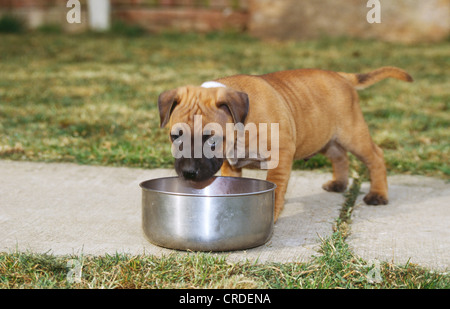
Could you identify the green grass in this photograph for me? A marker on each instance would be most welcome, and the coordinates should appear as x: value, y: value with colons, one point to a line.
x: 335, y: 267
x: 91, y: 99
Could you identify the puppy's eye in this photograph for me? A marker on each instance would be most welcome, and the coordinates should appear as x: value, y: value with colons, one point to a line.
x: 174, y: 137
x: 213, y: 141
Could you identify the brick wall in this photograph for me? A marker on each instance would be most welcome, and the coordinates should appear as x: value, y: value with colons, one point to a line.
x: 152, y: 15
x: 238, y: 5
x: 401, y: 20
x: 36, y: 13
x: 183, y: 15
x: 11, y: 4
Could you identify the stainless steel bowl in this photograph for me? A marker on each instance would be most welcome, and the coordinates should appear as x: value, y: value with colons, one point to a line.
x: 226, y: 214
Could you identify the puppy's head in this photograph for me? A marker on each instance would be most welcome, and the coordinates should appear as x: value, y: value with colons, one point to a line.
x: 199, y: 145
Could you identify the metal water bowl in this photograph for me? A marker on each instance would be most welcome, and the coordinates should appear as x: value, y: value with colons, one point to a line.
x: 224, y: 214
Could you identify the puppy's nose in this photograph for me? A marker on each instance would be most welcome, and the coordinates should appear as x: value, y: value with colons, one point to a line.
x: 191, y: 175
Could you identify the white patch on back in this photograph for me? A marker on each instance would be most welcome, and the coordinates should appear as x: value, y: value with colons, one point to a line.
x: 212, y: 84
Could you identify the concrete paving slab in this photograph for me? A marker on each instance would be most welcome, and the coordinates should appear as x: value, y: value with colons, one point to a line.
x: 414, y: 227
x: 73, y: 209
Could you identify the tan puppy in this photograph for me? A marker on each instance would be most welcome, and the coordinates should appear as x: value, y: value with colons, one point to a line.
x: 317, y: 112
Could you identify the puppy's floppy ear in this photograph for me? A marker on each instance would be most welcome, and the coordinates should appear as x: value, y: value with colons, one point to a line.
x: 166, y: 103
x: 236, y: 102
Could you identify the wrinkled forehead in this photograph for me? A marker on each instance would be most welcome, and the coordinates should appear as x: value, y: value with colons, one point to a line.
x: 196, y: 104
x: 195, y: 100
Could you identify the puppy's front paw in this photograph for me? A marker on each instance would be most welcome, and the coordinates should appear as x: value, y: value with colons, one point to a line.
x: 334, y: 186
x: 374, y: 198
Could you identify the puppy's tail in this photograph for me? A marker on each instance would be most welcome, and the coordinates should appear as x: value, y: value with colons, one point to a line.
x: 361, y: 81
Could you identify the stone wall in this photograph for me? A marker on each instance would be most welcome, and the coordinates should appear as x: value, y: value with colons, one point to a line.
x: 401, y: 20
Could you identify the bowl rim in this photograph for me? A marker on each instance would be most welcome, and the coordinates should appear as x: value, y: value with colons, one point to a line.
x: 274, y: 186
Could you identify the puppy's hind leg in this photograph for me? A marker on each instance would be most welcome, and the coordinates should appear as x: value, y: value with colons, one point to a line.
x: 339, y: 161
x: 361, y: 145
